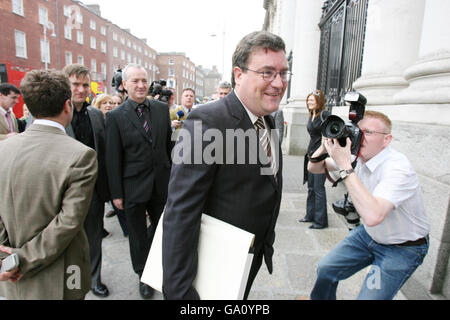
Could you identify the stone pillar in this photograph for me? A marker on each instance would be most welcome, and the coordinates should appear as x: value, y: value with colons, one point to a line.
x: 305, y: 53
x: 391, y: 45
x: 429, y: 76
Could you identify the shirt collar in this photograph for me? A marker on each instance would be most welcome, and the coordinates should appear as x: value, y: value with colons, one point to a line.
x: 135, y: 104
x: 50, y: 123
x: 373, y: 163
x: 4, y: 111
x: 253, y: 118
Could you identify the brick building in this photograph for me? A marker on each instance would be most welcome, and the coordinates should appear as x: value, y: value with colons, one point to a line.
x: 178, y: 70
x: 55, y: 33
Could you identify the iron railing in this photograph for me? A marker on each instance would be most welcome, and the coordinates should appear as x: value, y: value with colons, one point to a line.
x: 342, y: 26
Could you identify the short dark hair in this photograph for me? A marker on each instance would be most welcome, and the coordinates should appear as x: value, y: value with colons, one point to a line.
x: 77, y: 70
x: 6, y: 88
x: 252, y: 41
x: 188, y: 89
x: 45, y: 92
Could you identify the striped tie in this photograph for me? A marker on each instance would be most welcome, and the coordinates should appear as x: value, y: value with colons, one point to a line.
x: 264, y: 139
x: 9, y: 120
x: 145, y: 124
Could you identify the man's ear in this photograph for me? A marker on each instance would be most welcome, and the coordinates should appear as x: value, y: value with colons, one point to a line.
x: 237, y: 75
x: 68, y: 107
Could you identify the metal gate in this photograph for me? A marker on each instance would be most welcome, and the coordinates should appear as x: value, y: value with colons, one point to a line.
x: 342, y: 26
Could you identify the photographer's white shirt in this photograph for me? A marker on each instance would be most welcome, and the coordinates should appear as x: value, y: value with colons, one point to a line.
x: 390, y: 175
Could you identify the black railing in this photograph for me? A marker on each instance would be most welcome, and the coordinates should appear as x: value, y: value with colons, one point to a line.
x: 342, y: 28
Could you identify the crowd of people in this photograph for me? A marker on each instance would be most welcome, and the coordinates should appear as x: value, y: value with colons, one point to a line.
x: 72, y: 157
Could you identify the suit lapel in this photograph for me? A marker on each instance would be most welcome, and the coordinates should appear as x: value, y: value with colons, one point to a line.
x: 92, y: 118
x: 3, y: 124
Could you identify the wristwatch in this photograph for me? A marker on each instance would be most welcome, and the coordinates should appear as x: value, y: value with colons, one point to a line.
x: 344, y: 173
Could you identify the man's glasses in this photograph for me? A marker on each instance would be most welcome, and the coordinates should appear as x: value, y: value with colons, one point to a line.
x: 270, y: 75
x: 371, y: 132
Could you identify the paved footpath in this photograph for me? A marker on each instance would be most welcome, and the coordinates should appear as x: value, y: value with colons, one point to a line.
x: 298, y: 249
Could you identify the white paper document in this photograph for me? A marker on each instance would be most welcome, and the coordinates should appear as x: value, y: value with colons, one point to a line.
x: 223, y: 260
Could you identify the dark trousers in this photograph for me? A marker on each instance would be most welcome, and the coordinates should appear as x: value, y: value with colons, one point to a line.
x: 122, y: 219
x: 93, y: 225
x: 316, y: 203
x: 141, y: 237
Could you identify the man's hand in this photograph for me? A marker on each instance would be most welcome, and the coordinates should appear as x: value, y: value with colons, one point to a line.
x: 341, y: 155
x: 12, y: 276
x: 118, y: 203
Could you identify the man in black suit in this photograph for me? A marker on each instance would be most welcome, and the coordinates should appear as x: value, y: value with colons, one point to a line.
x: 138, y: 148
x: 88, y: 127
x: 237, y: 190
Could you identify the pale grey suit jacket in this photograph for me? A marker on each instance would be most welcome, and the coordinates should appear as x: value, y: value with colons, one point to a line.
x: 4, y: 127
x: 47, y: 179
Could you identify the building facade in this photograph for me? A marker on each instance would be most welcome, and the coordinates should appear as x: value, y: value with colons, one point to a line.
x: 397, y: 54
x: 54, y: 33
x: 178, y: 70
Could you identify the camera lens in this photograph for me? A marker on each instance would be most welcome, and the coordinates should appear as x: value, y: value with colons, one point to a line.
x: 334, y: 128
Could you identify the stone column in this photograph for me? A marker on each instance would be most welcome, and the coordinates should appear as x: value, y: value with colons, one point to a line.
x: 429, y: 76
x: 391, y: 45
x: 305, y: 53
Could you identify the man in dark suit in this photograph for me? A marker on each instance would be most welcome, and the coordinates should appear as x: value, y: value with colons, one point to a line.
x: 88, y: 127
x: 239, y: 191
x: 138, y: 148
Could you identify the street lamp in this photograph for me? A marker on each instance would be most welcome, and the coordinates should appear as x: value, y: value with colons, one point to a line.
x: 50, y: 26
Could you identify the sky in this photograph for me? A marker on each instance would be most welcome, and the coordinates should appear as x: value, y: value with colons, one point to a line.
x: 188, y: 26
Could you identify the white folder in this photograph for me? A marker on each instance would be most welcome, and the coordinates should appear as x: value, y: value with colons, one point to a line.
x: 223, y: 260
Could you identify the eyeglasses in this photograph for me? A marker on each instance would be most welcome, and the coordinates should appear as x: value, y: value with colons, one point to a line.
x: 371, y: 132
x: 270, y: 75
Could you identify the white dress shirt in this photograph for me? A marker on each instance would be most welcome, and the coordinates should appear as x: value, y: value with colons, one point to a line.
x: 50, y: 123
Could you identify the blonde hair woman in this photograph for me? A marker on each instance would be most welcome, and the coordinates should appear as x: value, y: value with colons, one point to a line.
x: 104, y: 102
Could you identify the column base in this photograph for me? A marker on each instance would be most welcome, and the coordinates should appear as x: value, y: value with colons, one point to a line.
x: 296, y: 117
x: 379, y: 89
x: 429, y: 80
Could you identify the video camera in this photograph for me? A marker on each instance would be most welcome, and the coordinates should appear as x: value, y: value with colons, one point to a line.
x: 334, y: 127
x: 157, y: 88
x: 117, y: 81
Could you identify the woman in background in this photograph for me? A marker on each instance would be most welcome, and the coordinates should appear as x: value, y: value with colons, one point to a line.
x: 316, y: 203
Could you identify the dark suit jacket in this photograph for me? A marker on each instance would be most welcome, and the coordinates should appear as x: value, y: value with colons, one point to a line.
x: 138, y: 167
x: 235, y: 193
x: 98, y: 128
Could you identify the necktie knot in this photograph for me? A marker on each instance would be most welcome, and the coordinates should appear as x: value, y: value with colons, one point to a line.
x: 9, y: 120
x: 260, y: 123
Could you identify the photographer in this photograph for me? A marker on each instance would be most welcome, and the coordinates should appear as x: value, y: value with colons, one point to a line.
x: 386, y: 193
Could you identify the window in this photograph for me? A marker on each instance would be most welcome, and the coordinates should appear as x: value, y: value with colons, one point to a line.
x: 93, y: 43
x: 103, y: 66
x: 43, y: 15
x: 122, y: 54
x: 93, y: 25
x: 103, y: 30
x: 129, y: 43
x: 68, y: 32
x: 80, y: 37
x: 122, y: 40
x: 68, y: 58
x: 79, y: 17
x: 21, y: 44
x: 67, y: 11
x: 129, y: 58
x: 80, y: 60
x: 114, y: 36
x: 171, y: 62
x: 103, y: 46
x: 45, y: 51
x: 115, y: 52
x: 17, y: 7
x: 93, y: 65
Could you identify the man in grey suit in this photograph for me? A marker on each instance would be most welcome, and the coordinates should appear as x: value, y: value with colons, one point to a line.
x: 47, y: 183
x: 9, y: 96
x: 138, y: 148
x: 237, y: 190
x: 88, y: 127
